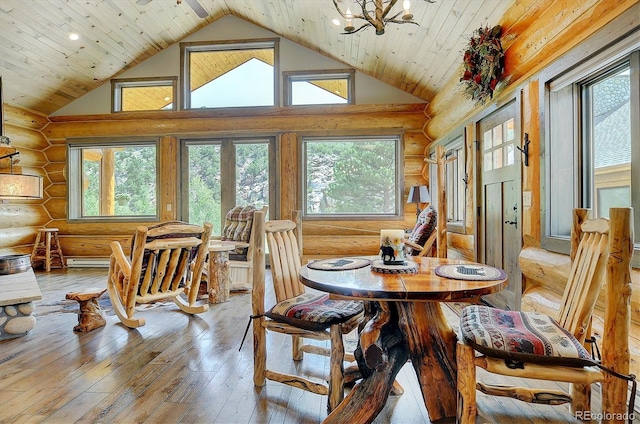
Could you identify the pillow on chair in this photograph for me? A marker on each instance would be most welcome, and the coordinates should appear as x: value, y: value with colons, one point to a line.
x: 425, y: 225
x: 521, y: 337
x: 237, y: 227
x: 314, y: 312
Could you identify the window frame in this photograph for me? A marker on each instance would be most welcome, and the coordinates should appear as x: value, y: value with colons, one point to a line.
x: 226, y: 45
x: 399, y: 177
x: 228, y: 170
x: 289, y: 77
x: 571, y: 75
x: 74, y: 167
x: 118, y: 84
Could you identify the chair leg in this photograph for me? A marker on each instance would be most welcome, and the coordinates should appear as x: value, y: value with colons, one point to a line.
x: 467, y: 408
x: 296, y: 348
x: 259, y: 352
x: 336, y: 369
x: 580, y: 398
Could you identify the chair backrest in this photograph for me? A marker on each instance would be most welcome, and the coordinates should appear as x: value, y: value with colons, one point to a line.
x: 284, y: 238
x: 238, y: 225
x: 590, y: 247
x: 168, y: 255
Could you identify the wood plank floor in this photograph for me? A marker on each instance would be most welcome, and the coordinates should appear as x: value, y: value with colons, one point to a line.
x: 180, y: 369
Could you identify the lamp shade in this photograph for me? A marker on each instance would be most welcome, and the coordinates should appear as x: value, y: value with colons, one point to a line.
x: 419, y: 194
x: 18, y: 186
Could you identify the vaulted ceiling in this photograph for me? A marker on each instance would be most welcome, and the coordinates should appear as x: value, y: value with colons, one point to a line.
x: 42, y: 70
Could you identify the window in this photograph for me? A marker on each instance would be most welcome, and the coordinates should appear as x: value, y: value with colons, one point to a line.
x: 593, y: 131
x: 229, y: 74
x: 133, y: 94
x: 319, y: 87
x: 455, y: 186
x: 223, y: 173
x: 113, y: 179
x: 352, y: 176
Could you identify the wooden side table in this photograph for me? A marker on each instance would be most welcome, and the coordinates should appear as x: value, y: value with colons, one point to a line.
x: 218, y: 284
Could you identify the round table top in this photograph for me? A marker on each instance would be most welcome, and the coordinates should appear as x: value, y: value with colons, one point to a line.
x: 424, y: 285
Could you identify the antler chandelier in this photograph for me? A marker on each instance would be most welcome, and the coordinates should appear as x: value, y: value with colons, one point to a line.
x: 374, y: 13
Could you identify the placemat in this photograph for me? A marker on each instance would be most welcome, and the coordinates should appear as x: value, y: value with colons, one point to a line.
x: 409, y: 267
x: 470, y: 272
x: 340, y: 264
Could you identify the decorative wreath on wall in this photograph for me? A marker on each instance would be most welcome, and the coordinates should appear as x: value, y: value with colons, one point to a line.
x: 483, y: 64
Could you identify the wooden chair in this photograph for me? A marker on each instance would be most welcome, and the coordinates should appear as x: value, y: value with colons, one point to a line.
x: 166, y: 262
x: 293, y: 314
x: 237, y: 230
x: 421, y: 241
x: 554, y: 350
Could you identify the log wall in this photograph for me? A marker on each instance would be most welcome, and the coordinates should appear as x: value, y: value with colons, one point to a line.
x: 19, y: 219
x: 541, y: 32
x: 42, y: 144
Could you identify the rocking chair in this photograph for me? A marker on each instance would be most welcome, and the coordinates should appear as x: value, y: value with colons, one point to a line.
x: 166, y: 262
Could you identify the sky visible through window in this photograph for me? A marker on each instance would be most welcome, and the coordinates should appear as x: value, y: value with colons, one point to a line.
x: 251, y: 84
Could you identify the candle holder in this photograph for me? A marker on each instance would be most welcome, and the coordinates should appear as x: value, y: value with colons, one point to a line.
x: 392, y: 247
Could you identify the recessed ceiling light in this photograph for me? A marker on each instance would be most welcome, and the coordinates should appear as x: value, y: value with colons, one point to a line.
x: 74, y: 36
x: 166, y: 99
x: 336, y: 22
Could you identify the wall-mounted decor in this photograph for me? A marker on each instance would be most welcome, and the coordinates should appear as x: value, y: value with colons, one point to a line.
x: 483, y: 64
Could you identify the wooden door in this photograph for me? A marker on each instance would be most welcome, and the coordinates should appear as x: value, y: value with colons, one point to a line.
x: 500, y: 229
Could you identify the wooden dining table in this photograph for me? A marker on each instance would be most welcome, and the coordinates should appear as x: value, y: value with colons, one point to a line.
x: 403, y: 321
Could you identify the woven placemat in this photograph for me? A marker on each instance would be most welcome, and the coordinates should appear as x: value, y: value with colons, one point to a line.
x: 470, y: 272
x: 340, y: 264
x: 409, y: 267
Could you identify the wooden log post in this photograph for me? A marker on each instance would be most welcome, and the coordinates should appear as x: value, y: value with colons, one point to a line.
x: 90, y: 315
x: 615, y: 346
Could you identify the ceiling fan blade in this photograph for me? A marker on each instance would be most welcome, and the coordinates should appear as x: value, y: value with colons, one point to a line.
x: 200, y: 11
x: 143, y: 2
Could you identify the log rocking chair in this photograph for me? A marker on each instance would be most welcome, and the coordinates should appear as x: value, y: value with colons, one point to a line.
x: 166, y: 262
x: 533, y: 345
x: 298, y: 314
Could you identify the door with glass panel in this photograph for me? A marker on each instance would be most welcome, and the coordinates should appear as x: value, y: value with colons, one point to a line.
x: 500, y: 228
x: 219, y: 174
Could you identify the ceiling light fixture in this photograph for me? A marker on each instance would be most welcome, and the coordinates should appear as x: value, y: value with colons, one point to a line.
x: 375, y: 13
x: 73, y: 36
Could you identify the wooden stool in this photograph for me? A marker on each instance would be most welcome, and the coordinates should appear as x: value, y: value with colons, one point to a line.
x: 47, y: 249
x: 90, y: 315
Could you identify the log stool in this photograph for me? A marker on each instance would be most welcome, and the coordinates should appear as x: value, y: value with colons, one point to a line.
x: 90, y: 315
x: 47, y: 249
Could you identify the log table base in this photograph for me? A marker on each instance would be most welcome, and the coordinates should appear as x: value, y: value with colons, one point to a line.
x: 394, y: 333
x: 219, y: 283
x: 90, y: 315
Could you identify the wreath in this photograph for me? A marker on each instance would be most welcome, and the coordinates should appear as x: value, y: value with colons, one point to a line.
x: 483, y: 64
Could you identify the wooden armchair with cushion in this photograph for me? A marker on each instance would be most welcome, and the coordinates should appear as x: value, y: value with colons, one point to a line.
x: 237, y: 229
x: 296, y: 313
x: 533, y: 345
x: 421, y: 241
x: 166, y: 262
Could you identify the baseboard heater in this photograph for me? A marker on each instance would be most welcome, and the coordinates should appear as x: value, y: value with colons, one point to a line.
x: 88, y: 262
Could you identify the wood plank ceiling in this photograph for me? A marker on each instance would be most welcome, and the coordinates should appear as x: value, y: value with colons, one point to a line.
x: 42, y: 70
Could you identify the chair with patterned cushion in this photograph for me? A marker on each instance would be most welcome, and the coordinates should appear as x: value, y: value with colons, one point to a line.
x: 237, y: 229
x: 533, y: 345
x: 166, y: 262
x: 421, y: 241
x: 296, y: 313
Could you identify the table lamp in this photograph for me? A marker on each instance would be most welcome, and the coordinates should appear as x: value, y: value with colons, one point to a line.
x: 418, y: 195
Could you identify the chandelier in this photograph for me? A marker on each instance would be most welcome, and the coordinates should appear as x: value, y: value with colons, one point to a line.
x: 375, y: 13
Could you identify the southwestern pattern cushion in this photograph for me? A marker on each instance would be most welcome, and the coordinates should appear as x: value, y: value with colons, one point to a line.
x: 237, y: 227
x: 425, y: 225
x: 313, y: 311
x: 521, y: 336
